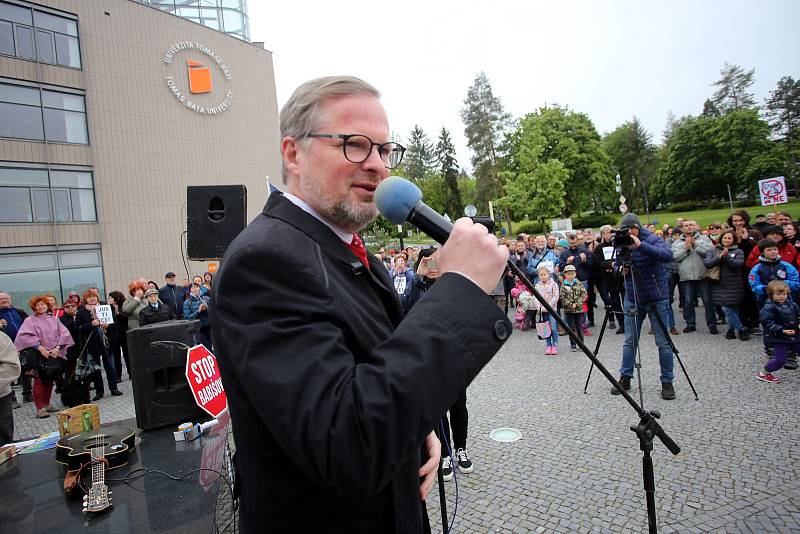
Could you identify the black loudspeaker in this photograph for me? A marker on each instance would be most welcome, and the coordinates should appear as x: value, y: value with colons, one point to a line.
x: 216, y: 214
x: 161, y: 393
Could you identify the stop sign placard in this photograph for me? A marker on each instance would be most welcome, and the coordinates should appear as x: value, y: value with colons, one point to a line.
x: 202, y: 372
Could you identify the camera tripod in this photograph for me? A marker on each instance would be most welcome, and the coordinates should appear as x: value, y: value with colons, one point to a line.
x: 652, y: 312
x: 647, y: 428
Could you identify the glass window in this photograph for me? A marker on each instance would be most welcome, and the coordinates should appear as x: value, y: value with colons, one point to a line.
x: 54, y: 99
x: 61, y: 207
x: 236, y: 4
x: 6, y: 38
x: 55, y: 23
x: 69, y: 179
x: 22, y: 122
x: 15, y: 13
x: 83, y: 209
x: 41, y: 205
x: 17, y: 94
x: 27, y: 262
x: 233, y: 21
x: 82, y: 258
x: 24, y: 285
x: 191, y: 13
x: 65, y: 126
x: 67, y: 51
x: 210, y: 18
x: 15, y: 205
x: 82, y: 279
x: 25, y: 42
x: 24, y: 177
x: 45, y: 46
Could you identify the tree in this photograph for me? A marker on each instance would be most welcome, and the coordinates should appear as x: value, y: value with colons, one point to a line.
x: 572, y: 139
x: 535, y: 188
x: 710, y: 109
x: 732, y: 89
x: 484, y: 123
x: 448, y: 169
x: 633, y: 155
x: 782, y: 110
x: 419, y: 157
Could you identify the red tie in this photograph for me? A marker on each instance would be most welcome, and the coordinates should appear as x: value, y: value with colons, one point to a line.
x: 358, y: 248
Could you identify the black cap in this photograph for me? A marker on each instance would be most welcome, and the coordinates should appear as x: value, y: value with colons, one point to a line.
x: 169, y: 275
x: 771, y: 229
x: 629, y: 220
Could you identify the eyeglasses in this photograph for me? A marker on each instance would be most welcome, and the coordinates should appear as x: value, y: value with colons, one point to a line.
x: 357, y: 148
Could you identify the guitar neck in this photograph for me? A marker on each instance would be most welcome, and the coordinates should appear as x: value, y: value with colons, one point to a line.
x: 98, y: 473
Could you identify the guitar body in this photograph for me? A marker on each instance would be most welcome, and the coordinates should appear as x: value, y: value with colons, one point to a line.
x: 116, y: 442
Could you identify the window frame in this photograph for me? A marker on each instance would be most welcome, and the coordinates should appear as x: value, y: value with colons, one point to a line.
x: 33, y: 8
x: 50, y: 188
x: 41, y: 88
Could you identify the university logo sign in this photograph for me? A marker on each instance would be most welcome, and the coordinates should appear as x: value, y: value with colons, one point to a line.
x: 198, y: 78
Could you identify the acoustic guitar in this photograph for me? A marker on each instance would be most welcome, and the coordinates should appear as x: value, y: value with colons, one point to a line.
x: 102, y: 448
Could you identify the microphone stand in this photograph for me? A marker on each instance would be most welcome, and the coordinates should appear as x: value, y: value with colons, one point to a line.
x: 647, y: 428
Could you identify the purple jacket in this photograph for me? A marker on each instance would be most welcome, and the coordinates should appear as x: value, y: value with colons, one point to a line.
x: 46, y: 331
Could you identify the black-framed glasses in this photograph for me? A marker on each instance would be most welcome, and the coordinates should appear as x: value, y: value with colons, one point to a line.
x: 357, y: 148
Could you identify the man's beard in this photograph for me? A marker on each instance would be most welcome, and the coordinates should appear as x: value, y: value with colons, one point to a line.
x: 346, y: 214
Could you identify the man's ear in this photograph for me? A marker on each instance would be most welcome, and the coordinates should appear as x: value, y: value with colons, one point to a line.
x: 290, y: 152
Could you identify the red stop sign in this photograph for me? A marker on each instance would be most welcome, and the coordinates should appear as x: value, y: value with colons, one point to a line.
x: 202, y: 372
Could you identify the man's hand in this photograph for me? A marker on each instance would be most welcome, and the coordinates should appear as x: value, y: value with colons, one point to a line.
x: 636, y: 242
x: 3, y: 323
x: 689, y: 242
x: 583, y: 257
x: 428, y: 471
x: 742, y: 232
x: 473, y: 252
x: 789, y: 332
x: 569, y: 260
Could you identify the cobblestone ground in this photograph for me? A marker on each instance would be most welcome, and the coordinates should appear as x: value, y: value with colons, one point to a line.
x: 578, y: 466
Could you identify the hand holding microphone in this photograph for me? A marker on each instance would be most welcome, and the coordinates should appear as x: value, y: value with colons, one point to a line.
x: 468, y: 248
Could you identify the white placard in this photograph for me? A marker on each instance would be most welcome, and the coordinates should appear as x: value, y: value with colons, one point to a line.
x: 104, y: 313
x: 608, y: 253
x: 563, y: 225
x: 773, y: 191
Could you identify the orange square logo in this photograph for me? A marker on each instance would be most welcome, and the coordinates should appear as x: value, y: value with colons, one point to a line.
x: 199, y: 77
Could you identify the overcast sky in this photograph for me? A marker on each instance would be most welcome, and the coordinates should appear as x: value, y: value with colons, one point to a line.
x: 609, y: 59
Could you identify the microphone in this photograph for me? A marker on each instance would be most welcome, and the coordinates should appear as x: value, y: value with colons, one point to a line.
x: 401, y: 201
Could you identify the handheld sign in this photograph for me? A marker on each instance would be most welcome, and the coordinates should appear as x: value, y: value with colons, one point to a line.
x: 773, y: 191
x: 104, y: 313
x: 205, y: 381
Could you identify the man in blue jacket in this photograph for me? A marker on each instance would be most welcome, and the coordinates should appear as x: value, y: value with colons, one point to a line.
x: 646, y: 294
x: 172, y: 295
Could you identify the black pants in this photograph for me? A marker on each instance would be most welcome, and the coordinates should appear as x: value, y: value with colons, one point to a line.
x: 111, y: 374
x: 6, y: 419
x: 459, y: 419
x: 27, y: 386
x: 592, y: 300
x: 119, y: 350
x: 574, y: 323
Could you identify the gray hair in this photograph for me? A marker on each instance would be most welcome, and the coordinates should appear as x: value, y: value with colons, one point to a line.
x: 302, y: 111
x: 606, y: 228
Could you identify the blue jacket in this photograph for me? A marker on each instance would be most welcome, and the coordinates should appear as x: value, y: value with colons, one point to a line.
x: 584, y: 268
x: 14, y: 318
x: 766, y: 271
x: 650, y: 261
x: 775, y: 318
x: 191, y: 309
x: 536, y: 257
x: 173, y: 296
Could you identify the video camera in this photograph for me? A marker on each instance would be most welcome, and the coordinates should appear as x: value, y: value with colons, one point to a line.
x: 622, y: 238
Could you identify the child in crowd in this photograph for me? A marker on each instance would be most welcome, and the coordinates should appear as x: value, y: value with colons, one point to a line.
x: 573, y: 295
x: 779, y: 317
x: 525, y: 312
x: 770, y: 267
x: 547, y: 287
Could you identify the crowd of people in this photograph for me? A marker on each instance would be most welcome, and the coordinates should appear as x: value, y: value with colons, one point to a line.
x: 65, y: 346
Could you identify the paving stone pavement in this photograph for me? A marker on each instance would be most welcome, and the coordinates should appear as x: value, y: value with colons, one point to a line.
x: 578, y: 466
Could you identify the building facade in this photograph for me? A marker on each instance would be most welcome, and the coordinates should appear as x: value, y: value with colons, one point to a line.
x: 108, y: 111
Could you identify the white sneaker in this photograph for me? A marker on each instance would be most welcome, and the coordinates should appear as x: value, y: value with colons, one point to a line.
x: 447, y: 468
x: 464, y: 463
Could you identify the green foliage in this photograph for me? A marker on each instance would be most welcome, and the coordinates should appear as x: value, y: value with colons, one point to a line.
x: 634, y: 156
x: 484, y: 123
x: 531, y: 227
x: 420, y: 158
x: 570, y: 138
x: 732, y: 92
x: 594, y: 220
x: 448, y: 170
x: 466, y: 189
x: 687, y: 205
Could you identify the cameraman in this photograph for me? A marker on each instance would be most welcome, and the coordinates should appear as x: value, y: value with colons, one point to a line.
x: 642, y: 256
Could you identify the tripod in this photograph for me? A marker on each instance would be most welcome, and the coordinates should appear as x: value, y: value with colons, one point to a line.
x: 647, y: 428
x: 627, y: 264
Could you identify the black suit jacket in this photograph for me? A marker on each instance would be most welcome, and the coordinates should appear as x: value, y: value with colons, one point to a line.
x: 331, y: 391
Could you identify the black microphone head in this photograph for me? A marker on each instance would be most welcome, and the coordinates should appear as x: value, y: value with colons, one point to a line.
x: 395, y: 197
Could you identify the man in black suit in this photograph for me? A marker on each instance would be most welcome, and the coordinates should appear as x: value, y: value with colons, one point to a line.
x: 332, y: 392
